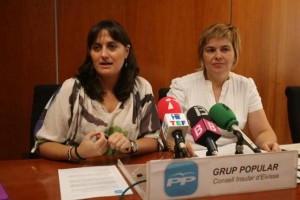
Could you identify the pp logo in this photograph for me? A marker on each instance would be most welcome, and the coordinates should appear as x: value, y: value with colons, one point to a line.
x: 181, y: 179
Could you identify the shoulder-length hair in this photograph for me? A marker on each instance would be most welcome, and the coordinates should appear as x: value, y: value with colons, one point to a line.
x: 87, y: 74
x: 220, y: 31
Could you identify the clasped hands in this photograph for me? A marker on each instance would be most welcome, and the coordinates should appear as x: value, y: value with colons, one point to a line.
x: 95, y: 144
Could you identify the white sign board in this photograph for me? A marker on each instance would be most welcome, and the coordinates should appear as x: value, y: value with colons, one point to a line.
x: 220, y: 175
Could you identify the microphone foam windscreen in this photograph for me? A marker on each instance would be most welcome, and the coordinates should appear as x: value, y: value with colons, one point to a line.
x: 167, y: 105
x: 223, y: 116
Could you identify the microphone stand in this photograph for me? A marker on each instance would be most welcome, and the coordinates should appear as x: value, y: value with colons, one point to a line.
x: 239, y: 147
x: 179, y: 153
x: 212, y: 149
x: 247, y: 141
x: 179, y: 147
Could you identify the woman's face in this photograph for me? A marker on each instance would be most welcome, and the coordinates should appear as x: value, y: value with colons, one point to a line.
x: 108, y: 55
x: 218, y: 56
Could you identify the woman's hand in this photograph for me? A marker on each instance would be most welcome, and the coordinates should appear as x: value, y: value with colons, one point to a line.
x: 190, y: 149
x: 269, y: 146
x: 93, y: 144
x: 119, y: 142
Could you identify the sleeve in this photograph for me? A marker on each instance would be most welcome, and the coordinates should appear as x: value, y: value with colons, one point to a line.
x: 177, y: 91
x: 55, y: 125
x: 150, y: 123
x: 255, y: 102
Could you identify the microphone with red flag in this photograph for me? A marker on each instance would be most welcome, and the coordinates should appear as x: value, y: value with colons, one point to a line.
x: 174, y: 124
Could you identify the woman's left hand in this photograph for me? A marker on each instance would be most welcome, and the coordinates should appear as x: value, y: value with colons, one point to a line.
x: 190, y: 149
x: 119, y: 142
x: 269, y: 146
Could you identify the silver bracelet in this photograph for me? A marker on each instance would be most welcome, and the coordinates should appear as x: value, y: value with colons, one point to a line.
x: 70, y: 158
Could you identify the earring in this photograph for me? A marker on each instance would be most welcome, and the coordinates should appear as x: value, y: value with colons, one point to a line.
x: 125, y: 64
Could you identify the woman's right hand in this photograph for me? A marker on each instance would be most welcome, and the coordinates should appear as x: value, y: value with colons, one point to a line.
x: 89, y: 147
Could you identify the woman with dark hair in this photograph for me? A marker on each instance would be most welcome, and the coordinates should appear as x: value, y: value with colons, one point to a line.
x: 106, y: 109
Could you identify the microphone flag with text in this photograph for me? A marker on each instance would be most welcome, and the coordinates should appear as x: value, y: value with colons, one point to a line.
x: 174, y: 124
x: 224, y: 117
x: 204, y: 131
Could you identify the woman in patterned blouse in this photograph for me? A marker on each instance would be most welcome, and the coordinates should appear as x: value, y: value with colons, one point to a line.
x: 106, y: 109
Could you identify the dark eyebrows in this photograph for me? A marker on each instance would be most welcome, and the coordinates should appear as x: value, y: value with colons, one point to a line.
x: 209, y: 47
x: 226, y: 46
x: 213, y: 47
x: 112, y: 42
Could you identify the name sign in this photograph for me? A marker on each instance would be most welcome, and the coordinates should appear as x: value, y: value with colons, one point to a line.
x: 220, y: 175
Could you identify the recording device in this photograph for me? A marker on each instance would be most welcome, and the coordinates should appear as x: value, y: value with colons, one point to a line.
x: 174, y: 124
x: 224, y: 117
x: 204, y: 131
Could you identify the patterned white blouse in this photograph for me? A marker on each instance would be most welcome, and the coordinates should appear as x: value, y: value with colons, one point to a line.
x: 70, y: 114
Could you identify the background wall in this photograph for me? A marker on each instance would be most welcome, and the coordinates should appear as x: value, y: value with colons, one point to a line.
x: 44, y: 41
x: 270, y: 37
x: 27, y: 57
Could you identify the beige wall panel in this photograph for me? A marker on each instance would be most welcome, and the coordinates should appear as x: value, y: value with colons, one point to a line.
x: 270, y: 36
x: 164, y: 33
x: 27, y: 56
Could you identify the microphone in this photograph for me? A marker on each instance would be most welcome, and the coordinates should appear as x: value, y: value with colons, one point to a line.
x: 224, y: 117
x: 203, y: 130
x: 174, y: 124
x: 167, y: 105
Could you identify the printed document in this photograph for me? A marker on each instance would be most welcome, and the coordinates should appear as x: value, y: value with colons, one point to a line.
x: 89, y: 182
x: 290, y: 147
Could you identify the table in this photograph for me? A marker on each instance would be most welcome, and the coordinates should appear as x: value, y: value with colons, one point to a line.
x: 38, y: 178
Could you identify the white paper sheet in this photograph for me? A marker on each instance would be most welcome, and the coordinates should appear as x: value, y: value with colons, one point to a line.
x: 88, y: 182
x: 289, y: 147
